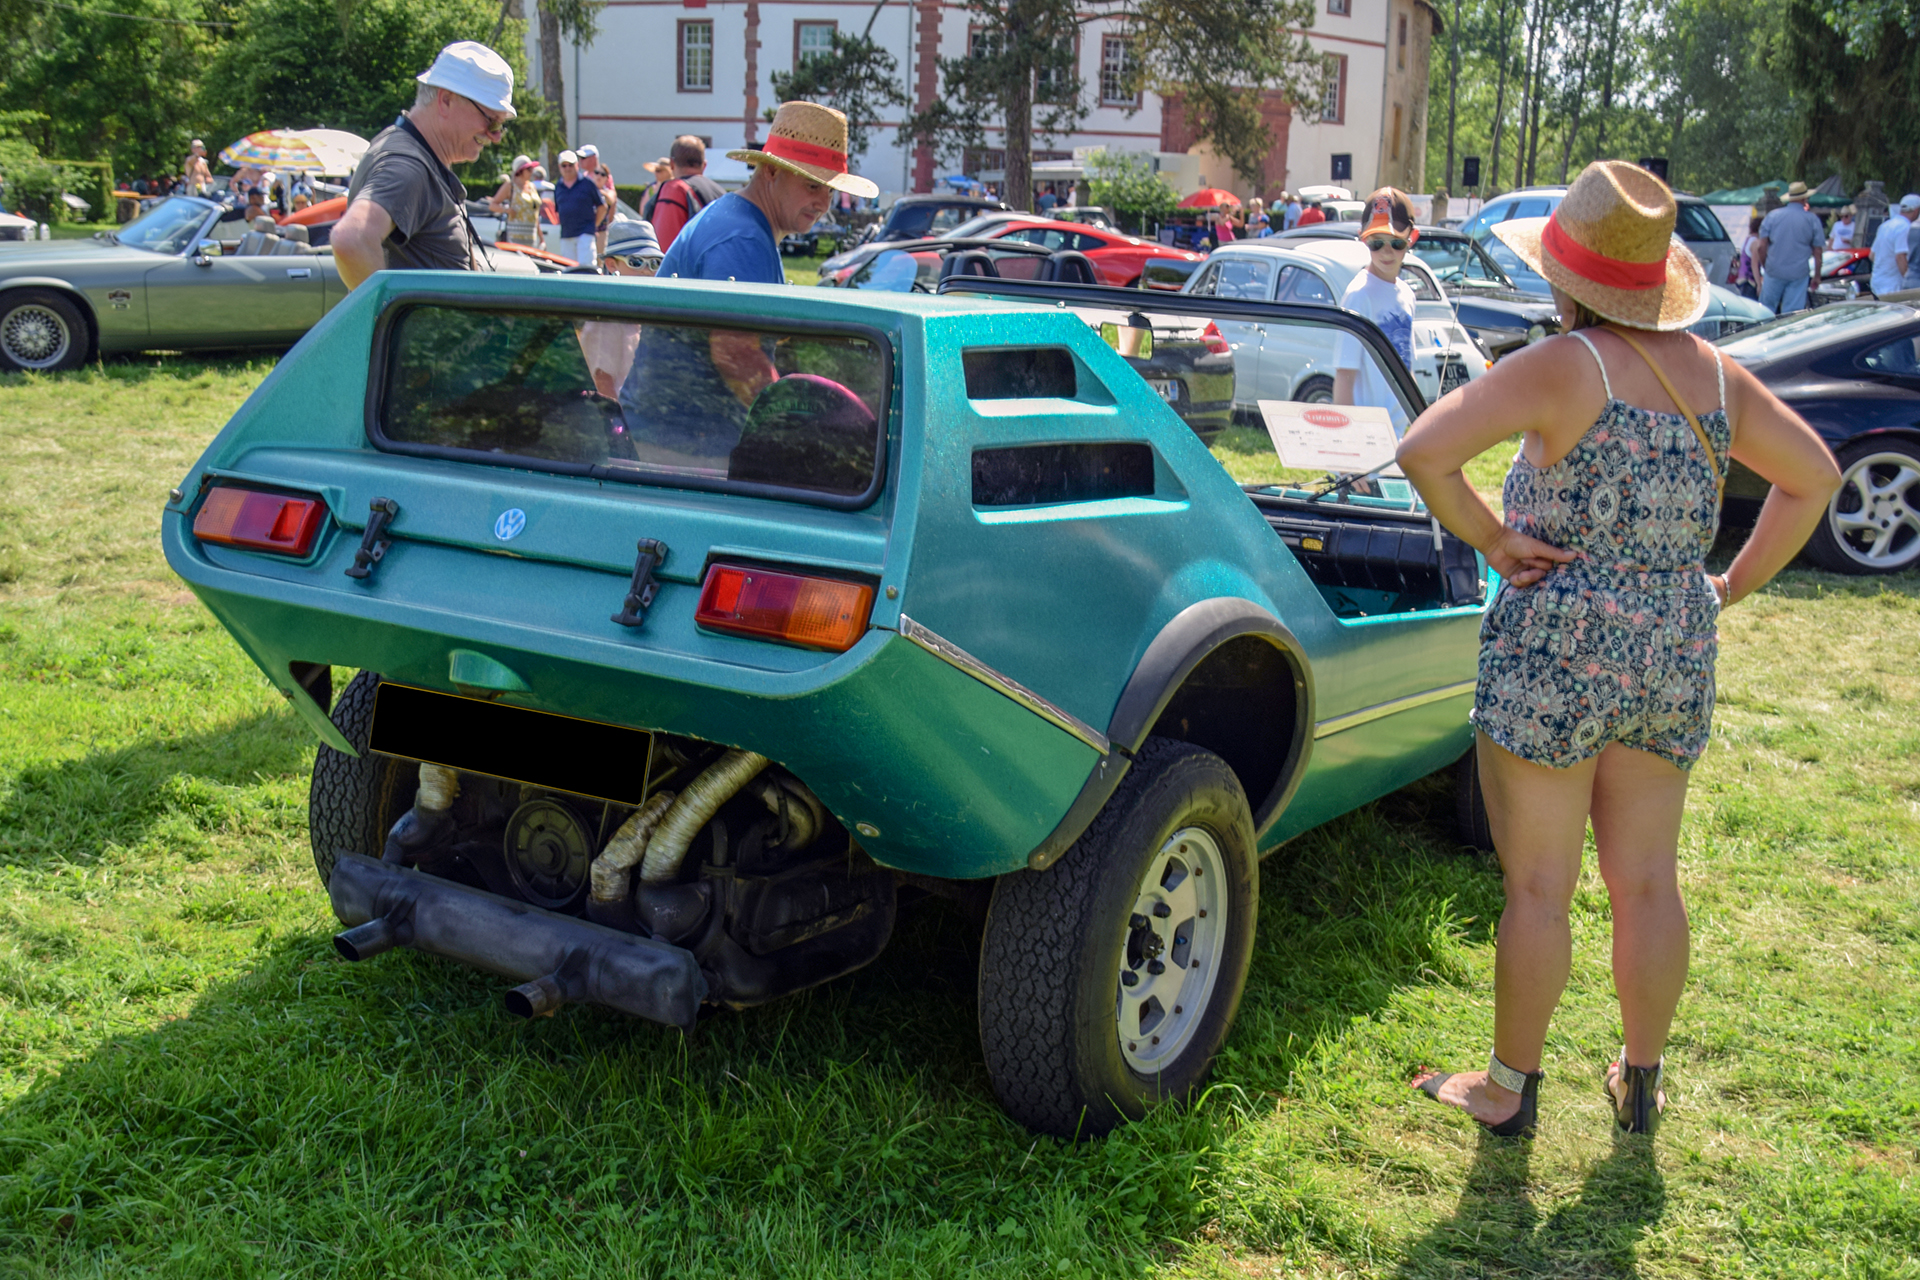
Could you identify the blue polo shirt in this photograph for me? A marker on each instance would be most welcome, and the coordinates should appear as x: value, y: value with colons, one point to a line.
x: 578, y: 206
x: 730, y: 239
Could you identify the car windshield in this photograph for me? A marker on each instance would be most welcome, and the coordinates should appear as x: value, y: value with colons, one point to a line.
x: 1790, y: 335
x: 1454, y: 260
x: 168, y: 227
x: 985, y: 224
x: 800, y: 415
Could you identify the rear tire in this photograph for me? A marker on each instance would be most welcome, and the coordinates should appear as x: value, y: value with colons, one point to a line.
x: 1470, y: 823
x: 42, y: 331
x: 353, y: 802
x: 1167, y: 875
x: 1872, y: 522
x: 1315, y: 390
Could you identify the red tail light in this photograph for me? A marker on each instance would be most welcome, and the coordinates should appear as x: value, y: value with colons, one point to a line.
x: 235, y: 517
x: 1214, y: 340
x: 816, y: 613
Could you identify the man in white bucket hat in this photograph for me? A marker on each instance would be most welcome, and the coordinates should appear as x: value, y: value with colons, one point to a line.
x: 796, y: 171
x: 405, y: 207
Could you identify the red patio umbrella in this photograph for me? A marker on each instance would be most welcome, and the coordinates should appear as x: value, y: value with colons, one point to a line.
x: 1210, y: 198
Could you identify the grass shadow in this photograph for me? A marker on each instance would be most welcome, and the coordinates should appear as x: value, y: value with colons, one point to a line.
x: 1496, y: 1230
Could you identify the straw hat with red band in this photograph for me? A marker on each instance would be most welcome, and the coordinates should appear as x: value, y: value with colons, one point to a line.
x: 1610, y: 246
x: 810, y: 140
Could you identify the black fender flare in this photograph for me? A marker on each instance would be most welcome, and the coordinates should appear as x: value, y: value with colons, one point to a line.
x: 1181, y: 646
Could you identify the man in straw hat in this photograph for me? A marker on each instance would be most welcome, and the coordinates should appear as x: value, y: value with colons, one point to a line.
x: 796, y: 171
x: 1787, y: 254
x: 1596, y: 688
x: 405, y: 207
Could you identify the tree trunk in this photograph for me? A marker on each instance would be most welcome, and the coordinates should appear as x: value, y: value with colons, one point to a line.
x: 1453, y: 89
x: 1528, y: 24
x: 1542, y: 20
x: 1017, y: 188
x: 553, y: 84
x: 1504, y: 56
x: 1579, y: 97
x: 1606, y: 91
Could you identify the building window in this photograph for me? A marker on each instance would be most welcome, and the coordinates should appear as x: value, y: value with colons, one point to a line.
x: 1054, y: 82
x: 1333, y: 93
x: 1116, y: 73
x: 696, y: 56
x: 1396, y: 131
x: 983, y: 42
x: 1340, y: 8
x: 1403, y: 42
x: 812, y: 40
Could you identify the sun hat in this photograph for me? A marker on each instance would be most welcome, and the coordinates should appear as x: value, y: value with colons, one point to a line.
x: 634, y: 238
x: 810, y: 140
x: 569, y: 157
x: 472, y: 70
x: 519, y: 163
x: 197, y: 143
x: 588, y: 149
x: 1796, y: 191
x: 1389, y: 210
x: 1610, y: 246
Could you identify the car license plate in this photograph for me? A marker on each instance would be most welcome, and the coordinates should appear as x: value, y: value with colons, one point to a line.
x: 1169, y: 389
x: 1452, y: 374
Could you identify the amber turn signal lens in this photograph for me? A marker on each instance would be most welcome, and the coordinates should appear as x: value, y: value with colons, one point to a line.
x: 235, y: 517
x: 817, y: 613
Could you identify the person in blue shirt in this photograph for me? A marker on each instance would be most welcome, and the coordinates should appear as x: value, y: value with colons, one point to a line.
x: 579, y: 201
x: 712, y: 376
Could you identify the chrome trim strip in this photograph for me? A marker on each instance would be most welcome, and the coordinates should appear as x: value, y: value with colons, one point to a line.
x: 949, y: 652
x: 1380, y: 710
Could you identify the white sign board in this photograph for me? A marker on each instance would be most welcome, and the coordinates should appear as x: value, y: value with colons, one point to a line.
x: 1341, y: 438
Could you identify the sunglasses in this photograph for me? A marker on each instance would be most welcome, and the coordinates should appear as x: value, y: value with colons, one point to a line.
x: 636, y: 261
x: 494, y: 123
x: 1387, y: 242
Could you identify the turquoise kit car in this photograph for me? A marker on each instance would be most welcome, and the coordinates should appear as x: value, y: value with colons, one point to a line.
x: 699, y: 625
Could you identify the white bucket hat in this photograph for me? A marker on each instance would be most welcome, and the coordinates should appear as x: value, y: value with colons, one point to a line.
x: 472, y: 70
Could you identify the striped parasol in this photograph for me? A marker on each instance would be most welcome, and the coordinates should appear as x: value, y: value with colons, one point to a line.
x: 332, y: 152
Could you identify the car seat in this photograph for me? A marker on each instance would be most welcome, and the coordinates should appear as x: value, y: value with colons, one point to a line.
x: 1068, y: 266
x: 969, y: 262
x: 260, y: 240
x: 293, y: 240
x: 806, y: 431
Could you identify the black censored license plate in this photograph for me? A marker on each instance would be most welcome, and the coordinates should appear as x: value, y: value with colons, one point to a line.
x: 557, y: 752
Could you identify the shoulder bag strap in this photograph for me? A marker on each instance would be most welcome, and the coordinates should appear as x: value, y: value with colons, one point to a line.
x: 1713, y: 465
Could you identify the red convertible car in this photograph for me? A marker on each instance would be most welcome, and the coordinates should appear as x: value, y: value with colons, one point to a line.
x: 1118, y: 257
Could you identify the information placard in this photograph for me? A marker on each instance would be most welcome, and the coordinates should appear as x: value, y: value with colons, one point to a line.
x: 1341, y: 438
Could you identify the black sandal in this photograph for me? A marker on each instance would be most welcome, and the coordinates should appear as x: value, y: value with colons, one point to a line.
x: 1526, y: 1084
x: 1637, y: 1106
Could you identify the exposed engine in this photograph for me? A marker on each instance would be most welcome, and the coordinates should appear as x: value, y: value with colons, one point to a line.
x: 728, y: 856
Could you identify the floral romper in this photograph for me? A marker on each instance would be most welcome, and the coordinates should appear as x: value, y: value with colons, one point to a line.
x: 1618, y: 645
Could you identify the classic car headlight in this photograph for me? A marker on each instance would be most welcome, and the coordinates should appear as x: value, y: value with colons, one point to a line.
x: 1535, y: 333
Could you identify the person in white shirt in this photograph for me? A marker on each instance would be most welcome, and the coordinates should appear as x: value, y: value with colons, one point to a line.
x: 1379, y: 294
x: 1842, y: 236
x: 1890, y: 246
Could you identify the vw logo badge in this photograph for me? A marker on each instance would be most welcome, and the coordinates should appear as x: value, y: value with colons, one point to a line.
x: 510, y: 523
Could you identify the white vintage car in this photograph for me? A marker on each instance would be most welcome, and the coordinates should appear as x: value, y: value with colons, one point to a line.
x: 1295, y: 362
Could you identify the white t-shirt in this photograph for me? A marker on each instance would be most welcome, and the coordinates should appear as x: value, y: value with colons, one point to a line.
x: 1842, y: 237
x: 1390, y: 306
x: 1889, y: 241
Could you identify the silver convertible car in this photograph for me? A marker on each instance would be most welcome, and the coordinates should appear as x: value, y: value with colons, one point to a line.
x: 187, y: 273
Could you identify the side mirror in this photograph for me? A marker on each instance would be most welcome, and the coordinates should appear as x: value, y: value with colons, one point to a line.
x: 204, y: 251
x: 1131, y: 340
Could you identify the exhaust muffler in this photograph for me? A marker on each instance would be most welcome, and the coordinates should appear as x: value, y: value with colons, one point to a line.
x: 560, y: 959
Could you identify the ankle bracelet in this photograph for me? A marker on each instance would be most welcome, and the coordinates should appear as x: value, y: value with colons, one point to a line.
x: 1505, y: 1076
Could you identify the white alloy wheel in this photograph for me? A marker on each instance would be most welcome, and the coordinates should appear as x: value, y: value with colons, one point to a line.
x: 1875, y: 516
x: 1175, y: 940
x: 35, y: 336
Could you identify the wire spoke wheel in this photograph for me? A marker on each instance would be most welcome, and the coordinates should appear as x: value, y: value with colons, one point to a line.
x: 1175, y: 938
x: 35, y: 336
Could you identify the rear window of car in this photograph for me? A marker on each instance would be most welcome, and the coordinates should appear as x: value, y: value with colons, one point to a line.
x: 787, y: 413
x: 1697, y: 224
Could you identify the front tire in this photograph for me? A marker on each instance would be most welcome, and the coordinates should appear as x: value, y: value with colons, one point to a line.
x: 1162, y: 889
x: 1316, y: 390
x: 353, y: 802
x: 1872, y: 524
x: 41, y: 331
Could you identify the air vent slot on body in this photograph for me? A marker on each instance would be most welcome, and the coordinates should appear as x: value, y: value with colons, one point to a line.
x: 1039, y: 474
x: 1019, y: 373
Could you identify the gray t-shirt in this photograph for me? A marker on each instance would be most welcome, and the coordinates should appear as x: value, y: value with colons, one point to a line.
x: 427, y: 203
x: 1793, y: 234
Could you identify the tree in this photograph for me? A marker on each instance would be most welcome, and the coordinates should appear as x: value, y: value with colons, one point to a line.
x: 1129, y: 185
x: 578, y: 22
x: 1020, y: 71
x: 855, y: 77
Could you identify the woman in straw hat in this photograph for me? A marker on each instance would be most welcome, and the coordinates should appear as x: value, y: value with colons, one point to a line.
x: 1597, y: 656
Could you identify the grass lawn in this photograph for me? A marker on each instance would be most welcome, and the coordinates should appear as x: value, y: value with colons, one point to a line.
x: 192, y: 1085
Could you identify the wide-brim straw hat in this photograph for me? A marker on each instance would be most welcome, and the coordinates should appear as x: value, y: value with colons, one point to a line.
x: 810, y: 140
x: 1610, y: 246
